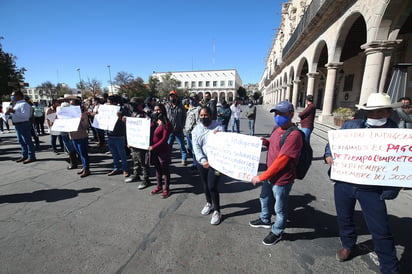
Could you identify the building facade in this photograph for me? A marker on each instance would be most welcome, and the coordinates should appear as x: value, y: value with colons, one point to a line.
x: 222, y: 84
x: 339, y: 51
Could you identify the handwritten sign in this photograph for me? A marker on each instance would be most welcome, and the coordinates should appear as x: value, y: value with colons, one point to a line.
x: 107, y: 117
x: 68, y: 119
x: 372, y: 156
x: 138, y: 132
x: 235, y: 155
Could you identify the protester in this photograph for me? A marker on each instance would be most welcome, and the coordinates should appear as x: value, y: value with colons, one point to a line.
x: 79, y: 140
x: 235, y: 118
x: 139, y: 156
x: 21, y: 113
x: 307, y: 118
x: 160, y: 149
x: 278, y: 179
x: 223, y: 115
x: 54, y: 135
x: 39, y: 117
x: 405, y: 113
x: 4, y: 119
x: 192, y: 118
x: 211, y: 103
x: 177, y: 117
x: 33, y: 131
x: 378, y: 109
x: 208, y: 175
x: 251, y: 116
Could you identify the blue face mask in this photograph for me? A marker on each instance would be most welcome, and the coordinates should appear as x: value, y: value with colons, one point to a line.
x: 13, y: 98
x: 281, y: 120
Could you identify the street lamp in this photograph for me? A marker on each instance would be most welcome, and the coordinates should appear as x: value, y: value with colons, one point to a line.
x: 110, y: 77
x: 81, y: 85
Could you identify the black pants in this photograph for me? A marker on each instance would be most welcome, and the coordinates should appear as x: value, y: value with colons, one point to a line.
x: 210, y: 179
x: 39, y: 123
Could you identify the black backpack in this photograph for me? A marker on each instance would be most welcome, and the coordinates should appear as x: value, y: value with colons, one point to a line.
x: 306, y: 155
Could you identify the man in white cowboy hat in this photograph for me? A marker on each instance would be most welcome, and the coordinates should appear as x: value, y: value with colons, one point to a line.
x: 377, y: 110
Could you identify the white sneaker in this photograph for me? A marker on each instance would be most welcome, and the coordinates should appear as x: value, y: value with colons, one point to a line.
x: 206, y: 209
x: 216, y: 218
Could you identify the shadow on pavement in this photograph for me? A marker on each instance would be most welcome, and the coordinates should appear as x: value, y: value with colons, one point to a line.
x: 47, y: 195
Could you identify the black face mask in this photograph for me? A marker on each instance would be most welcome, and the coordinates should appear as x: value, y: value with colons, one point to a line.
x: 156, y: 116
x: 174, y: 100
x: 205, y: 121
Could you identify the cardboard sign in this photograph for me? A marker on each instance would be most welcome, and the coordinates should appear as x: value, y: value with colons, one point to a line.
x: 68, y: 119
x: 107, y: 117
x: 235, y: 155
x: 372, y: 156
x: 138, y: 132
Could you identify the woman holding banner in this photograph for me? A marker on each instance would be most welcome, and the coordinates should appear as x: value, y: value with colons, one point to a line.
x: 160, y: 150
x: 208, y: 175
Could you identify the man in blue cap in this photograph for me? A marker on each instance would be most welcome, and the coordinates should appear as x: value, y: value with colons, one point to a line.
x: 278, y: 179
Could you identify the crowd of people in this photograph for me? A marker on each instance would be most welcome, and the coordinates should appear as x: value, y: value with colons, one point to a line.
x: 192, y: 125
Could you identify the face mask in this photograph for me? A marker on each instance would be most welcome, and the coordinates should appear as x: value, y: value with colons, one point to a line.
x: 13, y: 98
x: 376, y: 122
x: 281, y: 120
x: 205, y: 121
x: 156, y: 116
x: 174, y: 100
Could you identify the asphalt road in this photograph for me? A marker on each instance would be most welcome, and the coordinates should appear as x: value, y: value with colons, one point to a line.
x: 52, y: 221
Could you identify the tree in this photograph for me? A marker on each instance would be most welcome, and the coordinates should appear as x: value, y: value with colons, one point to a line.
x: 167, y: 84
x: 241, y: 93
x: 93, y: 86
x: 9, y: 72
x: 153, y: 84
x: 256, y: 95
x: 48, y: 90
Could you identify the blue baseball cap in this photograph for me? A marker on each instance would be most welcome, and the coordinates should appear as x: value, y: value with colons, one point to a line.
x: 283, y: 106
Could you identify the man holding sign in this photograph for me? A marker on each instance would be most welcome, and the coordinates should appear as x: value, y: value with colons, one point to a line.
x: 371, y: 198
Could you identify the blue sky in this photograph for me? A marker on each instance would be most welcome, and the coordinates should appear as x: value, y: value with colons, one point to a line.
x: 53, y: 38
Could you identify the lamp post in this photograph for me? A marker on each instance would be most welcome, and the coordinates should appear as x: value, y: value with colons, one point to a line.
x: 110, y: 77
x: 81, y: 85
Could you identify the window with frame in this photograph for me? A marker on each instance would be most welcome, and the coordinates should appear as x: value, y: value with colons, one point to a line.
x: 186, y: 84
x: 207, y: 83
x: 200, y: 84
x: 222, y: 83
x: 193, y: 84
x: 214, y: 84
x: 230, y: 83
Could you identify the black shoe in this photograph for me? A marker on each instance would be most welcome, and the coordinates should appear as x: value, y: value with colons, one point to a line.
x: 30, y: 160
x: 259, y: 223
x: 22, y: 159
x: 271, y: 239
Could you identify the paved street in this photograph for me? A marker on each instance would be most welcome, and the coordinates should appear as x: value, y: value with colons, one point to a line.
x: 52, y: 221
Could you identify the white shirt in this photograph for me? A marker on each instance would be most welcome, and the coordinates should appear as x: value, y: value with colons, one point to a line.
x: 22, y: 112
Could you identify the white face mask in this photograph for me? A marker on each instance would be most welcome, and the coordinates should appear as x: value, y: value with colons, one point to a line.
x: 376, y: 122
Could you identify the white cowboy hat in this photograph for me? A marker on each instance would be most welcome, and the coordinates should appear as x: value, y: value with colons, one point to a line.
x: 378, y: 101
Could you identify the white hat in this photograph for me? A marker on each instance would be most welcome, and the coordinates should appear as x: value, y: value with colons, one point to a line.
x: 378, y: 101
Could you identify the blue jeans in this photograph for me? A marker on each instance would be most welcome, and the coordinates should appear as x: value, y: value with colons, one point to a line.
x: 235, y: 122
x: 53, y: 139
x: 180, y: 138
x: 279, y: 196
x: 376, y: 218
x: 252, y: 127
x: 68, y: 144
x: 307, y: 132
x: 190, y: 147
x: 23, y: 132
x: 81, y: 146
x: 117, y: 146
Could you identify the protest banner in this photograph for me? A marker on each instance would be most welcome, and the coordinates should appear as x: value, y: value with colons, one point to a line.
x: 235, y: 155
x: 107, y: 117
x: 68, y: 119
x: 138, y: 132
x: 372, y: 156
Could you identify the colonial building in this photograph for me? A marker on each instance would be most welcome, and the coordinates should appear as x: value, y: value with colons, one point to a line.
x: 339, y: 51
x: 222, y: 84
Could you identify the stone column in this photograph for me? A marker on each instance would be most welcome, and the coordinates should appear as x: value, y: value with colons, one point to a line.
x: 386, y: 63
x: 374, y: 65
x: 283, y: 97
x: 288, y: 89
x: 311, y: 82
x: 326, y: 115
x: 295, y: 92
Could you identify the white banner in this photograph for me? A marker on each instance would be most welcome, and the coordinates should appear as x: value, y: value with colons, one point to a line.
x: 235, y: 155
x: 107, y: 117
x: 68, y: 119
x: 372, y: 156
x: 138, y: 132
